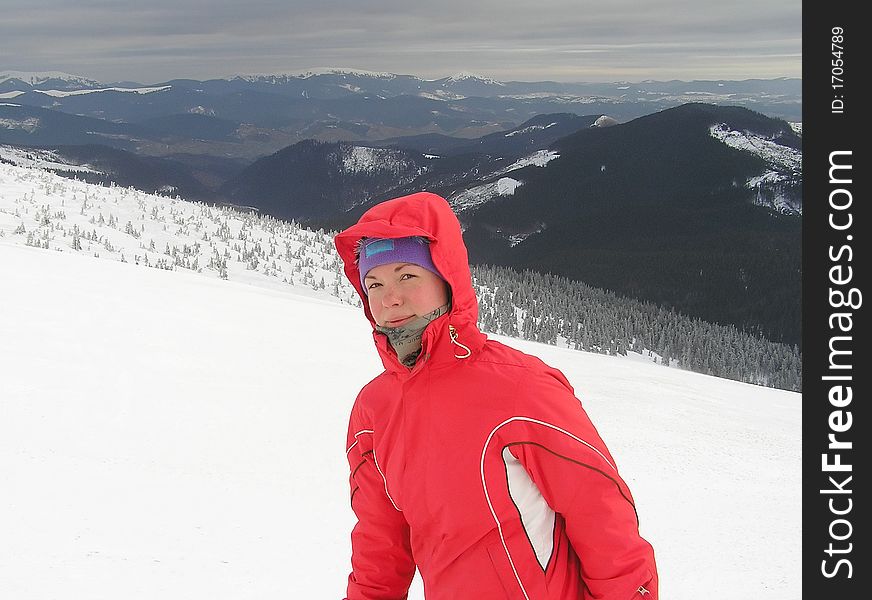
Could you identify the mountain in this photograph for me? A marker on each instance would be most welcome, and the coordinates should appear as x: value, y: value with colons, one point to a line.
x: 11, y: 81
x: 332, y: 182
x: 146, y: 173
x: 30, y: 125
x: 191, y: 176
x: 535, y: 133
x: 340, y: 133
x: 192, y: 126
x: 314, y: 179
x: 688, y: 207
x: 278, y: 110
x: 665, y: 208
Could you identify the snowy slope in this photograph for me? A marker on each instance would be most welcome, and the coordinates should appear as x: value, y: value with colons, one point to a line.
x: 168, y: 435
x: 784, y: 166
x: 41, y: 209
x: 165, y: 433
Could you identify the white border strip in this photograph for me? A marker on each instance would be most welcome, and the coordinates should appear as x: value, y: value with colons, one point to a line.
x: 487, y: 496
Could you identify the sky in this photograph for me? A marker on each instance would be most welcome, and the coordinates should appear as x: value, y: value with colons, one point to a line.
x: 168, y: 434
x: 558, y: 40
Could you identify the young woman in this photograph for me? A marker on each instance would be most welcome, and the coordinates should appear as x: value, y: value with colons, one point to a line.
x: 471, y: 461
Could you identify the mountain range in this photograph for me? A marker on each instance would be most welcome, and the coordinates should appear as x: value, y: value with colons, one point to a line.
x: 697, y: 207
x: 251, y: 116
x: 629, y: 187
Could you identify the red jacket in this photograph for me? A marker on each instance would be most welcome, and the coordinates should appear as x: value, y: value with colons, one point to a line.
x: 479, y: 465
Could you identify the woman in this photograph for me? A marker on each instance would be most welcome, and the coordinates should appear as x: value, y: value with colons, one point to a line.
x: 470, y: 460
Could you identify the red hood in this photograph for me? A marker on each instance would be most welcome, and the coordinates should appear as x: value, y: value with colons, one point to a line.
x: 430, y: 216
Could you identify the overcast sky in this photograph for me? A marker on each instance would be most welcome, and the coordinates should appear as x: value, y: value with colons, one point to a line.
x: 151, y: 41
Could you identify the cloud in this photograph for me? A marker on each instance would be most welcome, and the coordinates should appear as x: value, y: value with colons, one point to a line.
x: 575, y: 40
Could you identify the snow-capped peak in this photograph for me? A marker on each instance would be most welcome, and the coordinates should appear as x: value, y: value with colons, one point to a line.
x: 278, y: 77
x: 35, y: 78
x: 344, y: 71
x: 466, y: 76
x: 604, y: 121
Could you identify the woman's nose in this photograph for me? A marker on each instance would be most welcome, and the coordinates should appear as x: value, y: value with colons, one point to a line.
x: 391, y: 297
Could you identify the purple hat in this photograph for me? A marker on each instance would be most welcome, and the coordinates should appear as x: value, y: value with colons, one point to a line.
x: 375, y: 252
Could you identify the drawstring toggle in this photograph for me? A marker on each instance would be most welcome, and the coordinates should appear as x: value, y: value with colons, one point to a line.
x: 452, y: 333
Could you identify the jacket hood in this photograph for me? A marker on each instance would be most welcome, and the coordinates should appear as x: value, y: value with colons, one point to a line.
x: 430, y: 216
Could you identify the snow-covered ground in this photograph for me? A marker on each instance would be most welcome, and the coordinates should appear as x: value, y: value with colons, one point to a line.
x: 784, y: 166
x: 474, y: 196
x: 39, y: 158
x: 501, y: 186
x: 540, y: 158
x: 167, y: 434
x: 776, y: 155
x: 45, y: 210
x: 139, y: 90
x: 529, y: 129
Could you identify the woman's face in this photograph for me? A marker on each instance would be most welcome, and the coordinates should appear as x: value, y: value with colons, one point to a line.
x: 398, y: 292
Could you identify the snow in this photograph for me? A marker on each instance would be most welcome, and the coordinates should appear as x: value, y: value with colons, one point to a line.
x: 142, y: 90
x: 363, y: 159
x: 162, y: 232
x: 34, y: 157
x: 467, y: 75
x: 529, y: 129
x: 785, y: 163
x: 202, y: 110
x: 604, y: 121
x: 540, y: 158
x: 38, y: 77
x: 283, y: 77
x: 9, y: 95
x: 773, y: 153
x: 168, y: 434
x: 468, y: 198
x: 517, y: 238
x: 559, y: 98
x: 440, y: 95
x: 30, y: 124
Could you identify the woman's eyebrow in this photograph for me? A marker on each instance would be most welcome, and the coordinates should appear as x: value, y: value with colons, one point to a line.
x: 397, y: 268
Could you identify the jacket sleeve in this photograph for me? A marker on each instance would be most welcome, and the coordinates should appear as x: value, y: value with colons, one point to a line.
x: 382, y: 567
x: 567, y: 460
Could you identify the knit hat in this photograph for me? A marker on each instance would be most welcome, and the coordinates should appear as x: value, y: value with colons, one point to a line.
x: 374, y: 252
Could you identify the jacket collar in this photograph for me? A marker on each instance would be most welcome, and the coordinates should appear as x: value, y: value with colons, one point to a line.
x: 430, y: 216
x: 442, y: 344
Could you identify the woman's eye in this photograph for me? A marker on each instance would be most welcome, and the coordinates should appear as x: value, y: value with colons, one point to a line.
x: 406, y: 276
x: 372, y: 285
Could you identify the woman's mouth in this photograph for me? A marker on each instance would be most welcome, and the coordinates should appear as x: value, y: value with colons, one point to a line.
x: 397, y: 322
